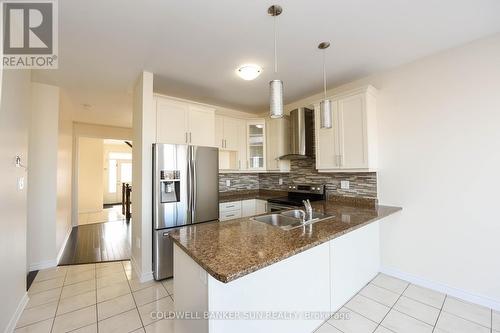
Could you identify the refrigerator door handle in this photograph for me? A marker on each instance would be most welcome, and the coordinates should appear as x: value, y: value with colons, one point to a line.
x: 189, y: 186
x: 193, y: 175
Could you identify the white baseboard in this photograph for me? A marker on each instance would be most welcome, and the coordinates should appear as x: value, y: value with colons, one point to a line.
x: 15, y: 317
x: 143, y: 276
x: 443, y: 288
x: 36, y: 266
x: 63, y: 246
x: 52, y: 262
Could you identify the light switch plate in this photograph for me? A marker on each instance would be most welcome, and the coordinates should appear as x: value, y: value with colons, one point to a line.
x: 20, y: 183
x: 228, y: 182
x: 280, y: 181
x: 344, y: 184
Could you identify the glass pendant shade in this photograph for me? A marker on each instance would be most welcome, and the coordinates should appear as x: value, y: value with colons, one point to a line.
x: 325, y: 112
x: 276, y: 98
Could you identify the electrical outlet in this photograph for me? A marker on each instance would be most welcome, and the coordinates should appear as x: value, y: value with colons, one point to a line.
x: 228, y: 182
x: 280, y: 181
x: 344, y: 184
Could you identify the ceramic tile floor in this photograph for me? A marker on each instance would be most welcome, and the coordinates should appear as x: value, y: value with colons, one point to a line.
x: 103, y: 297
x: 390, y: 305
x: 105, y: 215
x: 107, y: 297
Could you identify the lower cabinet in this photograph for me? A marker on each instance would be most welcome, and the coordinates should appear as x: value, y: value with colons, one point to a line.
x: 244, y: 208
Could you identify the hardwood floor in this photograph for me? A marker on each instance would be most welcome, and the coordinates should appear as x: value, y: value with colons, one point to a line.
x: 98, y: 242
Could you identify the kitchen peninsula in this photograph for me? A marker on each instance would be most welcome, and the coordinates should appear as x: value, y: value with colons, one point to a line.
x: 246, y: 269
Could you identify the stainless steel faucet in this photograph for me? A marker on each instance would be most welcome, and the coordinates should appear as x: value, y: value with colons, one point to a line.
x: 308, y: 208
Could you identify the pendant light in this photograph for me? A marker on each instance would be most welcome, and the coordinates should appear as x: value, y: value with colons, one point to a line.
x: 325, y: 107
x: 275, y: 86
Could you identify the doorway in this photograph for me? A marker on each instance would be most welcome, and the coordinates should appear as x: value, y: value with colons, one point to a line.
x: 102, y: 233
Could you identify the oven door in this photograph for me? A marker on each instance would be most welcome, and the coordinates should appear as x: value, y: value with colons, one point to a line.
x: 276, y: 208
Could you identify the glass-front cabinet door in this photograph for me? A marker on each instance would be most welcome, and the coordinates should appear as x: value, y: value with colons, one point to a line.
x: 256, y: 142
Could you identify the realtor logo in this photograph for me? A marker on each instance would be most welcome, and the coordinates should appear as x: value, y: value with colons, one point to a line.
x: 29, y: 34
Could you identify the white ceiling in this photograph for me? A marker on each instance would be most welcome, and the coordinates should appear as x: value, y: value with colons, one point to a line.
x: 193, y: 47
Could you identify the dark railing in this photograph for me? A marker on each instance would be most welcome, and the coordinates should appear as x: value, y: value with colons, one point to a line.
x: 126, y: 190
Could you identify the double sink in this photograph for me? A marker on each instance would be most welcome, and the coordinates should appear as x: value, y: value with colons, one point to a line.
x: 291, y: 219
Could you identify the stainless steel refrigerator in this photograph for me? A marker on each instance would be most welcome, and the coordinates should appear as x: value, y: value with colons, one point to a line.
x: 185, y: 191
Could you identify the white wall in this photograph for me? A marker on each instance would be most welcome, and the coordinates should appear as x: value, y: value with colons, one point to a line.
x: 14, y: 122
x: 144, y: 129
x: 439, y: 140
x: 64, y: 175
x: 42, y: 185
x: 90, y: 175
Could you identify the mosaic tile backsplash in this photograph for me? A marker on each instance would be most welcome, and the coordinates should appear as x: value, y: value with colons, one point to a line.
x: 363, y: 185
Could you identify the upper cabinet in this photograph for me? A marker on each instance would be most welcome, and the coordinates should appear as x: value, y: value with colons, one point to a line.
x: 184, y: 123
x: 230, y: 137
x: 256, y: 144
x: 278, y: 143
x: 351, y: 143
x: 227, y: 132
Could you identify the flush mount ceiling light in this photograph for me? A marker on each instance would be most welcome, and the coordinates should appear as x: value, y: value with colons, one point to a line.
x: 249, y: 72
x: 275, y: 86
x: 325, y: 107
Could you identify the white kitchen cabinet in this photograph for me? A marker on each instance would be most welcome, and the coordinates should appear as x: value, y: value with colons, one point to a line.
x: 171, y: 121
x: 230, y: 210
x: 260, y: 207
x: 278, y: 143
x: 201, y: 121
x: 248, y: 207
x: 219, y: 131
x: 256, y: 144
x: 242, y: 145
x: 351, y: 143
x: 230, y: 137
x: 180, y: 122
x: 243, y: 208
x: 228, y: 132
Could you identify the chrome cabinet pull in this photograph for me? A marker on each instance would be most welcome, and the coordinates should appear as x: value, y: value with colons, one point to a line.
x: 190, y: 137
x: 186, y: 137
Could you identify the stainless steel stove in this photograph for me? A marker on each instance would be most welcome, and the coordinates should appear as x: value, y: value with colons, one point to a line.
x: 296, y: 193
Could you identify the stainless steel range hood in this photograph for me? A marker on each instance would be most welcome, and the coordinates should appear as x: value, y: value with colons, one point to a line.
x: 301, y: 134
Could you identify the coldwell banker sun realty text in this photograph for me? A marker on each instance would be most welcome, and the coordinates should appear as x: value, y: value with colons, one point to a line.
x: 30, y: 34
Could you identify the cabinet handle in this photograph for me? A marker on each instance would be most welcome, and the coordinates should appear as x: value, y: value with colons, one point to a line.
x: 186, y: 137
x: 189, y: 137
x: 230, y: 206
x: 239, y: 164
x: 230, y: 215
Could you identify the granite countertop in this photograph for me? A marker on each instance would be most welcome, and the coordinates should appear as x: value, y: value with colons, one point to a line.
x: 231, y: 249
x: 250, y: 194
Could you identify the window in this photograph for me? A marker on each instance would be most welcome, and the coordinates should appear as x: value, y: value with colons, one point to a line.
x: 126, y: 172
